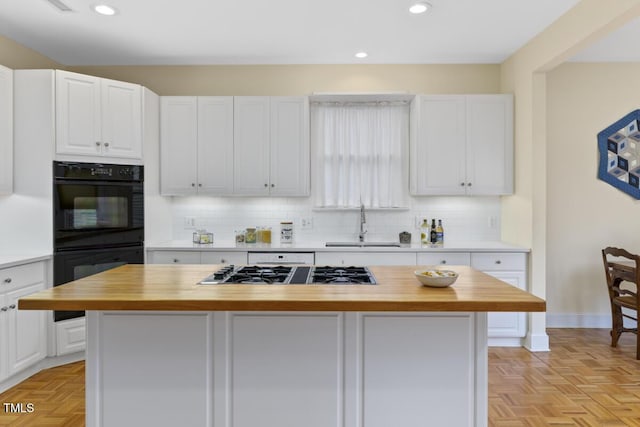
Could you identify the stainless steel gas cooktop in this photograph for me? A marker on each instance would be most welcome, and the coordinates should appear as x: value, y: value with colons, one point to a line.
x: 290, y: 275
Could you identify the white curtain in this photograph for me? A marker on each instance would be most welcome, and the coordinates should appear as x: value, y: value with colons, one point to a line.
x: 360, y: 153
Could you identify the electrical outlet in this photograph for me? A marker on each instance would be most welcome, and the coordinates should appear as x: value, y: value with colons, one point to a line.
x: 189, y: 222
x: 306, y: 223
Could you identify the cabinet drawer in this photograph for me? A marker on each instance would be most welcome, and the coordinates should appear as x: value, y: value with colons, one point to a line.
x: 176, y: 257
x: 443, y: 258
x: 497, y: 261
x: 21, y: 275
x: 223, y: 257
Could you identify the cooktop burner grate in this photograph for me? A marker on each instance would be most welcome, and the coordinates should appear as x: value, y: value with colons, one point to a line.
x: 280, y: 275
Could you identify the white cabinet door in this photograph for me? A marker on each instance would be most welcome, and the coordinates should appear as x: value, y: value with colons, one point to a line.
x: 98, y: 117
x: 505, y: 328
x: 22, y: 332
x: 6, y: 130
x: 215, y: 145
x: 78, y: 129
x: 289, y: 171
x: 178, y: 145
x: 251, y: 145
x: 365, y: 258
x: 462, y: 145
x: 489, y: 144
x: 26, y: 331
x: 121, y: 106
x: 507, y: 324
x: 438, y: 145
x: 221, y: 257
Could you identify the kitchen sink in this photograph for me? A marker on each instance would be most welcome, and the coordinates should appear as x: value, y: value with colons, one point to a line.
x: 362, y: 244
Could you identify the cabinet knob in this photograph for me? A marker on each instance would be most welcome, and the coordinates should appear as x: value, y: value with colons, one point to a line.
x: 444, y: 261
x: 176, y: 260
x: 199, y: 185
x: 97, y: 143
x: 106, y: 144
x: 468, y: 184
x: 7, y: 280
x: 223, y: 261
x: 193, y: 184
x: 12, y: 306
x: 266, y: 185
x: 273, y: 185
x: 462, y: 184
x: 4, y: 308
x: 498, y: 261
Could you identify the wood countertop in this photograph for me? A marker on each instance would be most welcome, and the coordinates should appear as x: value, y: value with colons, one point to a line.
x: 176, y: 288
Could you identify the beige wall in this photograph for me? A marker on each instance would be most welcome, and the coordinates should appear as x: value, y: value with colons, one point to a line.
x: 305, y: 79
x: 585, y: 214
x: 525, y: 215
x: 15, y: 55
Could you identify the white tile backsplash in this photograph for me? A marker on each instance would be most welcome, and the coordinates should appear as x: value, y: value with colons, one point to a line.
x: 464, y: 218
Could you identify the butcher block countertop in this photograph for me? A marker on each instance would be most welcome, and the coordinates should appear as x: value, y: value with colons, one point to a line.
x: 176, y: 288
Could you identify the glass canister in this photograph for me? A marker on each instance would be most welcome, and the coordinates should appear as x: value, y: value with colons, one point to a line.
x: 250, y: 235
x: 240, y: 237
x: 286, y: 232
x: 266, y: 235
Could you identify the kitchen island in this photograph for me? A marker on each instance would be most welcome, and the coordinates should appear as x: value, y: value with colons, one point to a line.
x: 163, y: 350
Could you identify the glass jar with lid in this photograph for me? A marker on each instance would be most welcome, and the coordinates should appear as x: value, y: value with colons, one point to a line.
x: 250, y: 235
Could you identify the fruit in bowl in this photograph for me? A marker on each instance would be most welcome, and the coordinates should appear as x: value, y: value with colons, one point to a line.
x: 436, y: 278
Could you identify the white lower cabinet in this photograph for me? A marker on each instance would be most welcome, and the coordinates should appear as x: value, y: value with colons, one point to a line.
x: 365, y: 258
x: 505, y: 328
x: 22, y: 332
x: 71, y: 336
x: 174, y: 257
x: 444, y: 258
x: 196, y: 257
x: 285, y: 369
x: 220, y: 257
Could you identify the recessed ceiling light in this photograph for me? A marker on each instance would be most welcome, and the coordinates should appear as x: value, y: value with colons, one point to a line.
x: 419, y: 7
x: 361, y: 55
x: 104, y: 9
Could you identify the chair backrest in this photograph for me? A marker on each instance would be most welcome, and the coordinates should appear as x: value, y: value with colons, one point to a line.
x: 620, y: 266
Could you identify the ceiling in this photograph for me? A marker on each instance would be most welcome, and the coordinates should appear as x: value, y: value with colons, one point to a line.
x: 163, y: 32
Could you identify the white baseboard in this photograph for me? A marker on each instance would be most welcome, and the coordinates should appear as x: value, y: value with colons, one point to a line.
x: 504, y: 342
x: 49, y: 362
x: 578, y: 320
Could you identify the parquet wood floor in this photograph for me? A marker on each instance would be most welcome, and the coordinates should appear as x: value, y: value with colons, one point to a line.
x: 581, y: 382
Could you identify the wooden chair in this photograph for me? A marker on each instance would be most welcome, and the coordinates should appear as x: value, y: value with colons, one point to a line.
x: 621, y: 266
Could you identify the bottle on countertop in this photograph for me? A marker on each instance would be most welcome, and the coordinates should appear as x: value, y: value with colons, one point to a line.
x: 433, y: 235
x: 439, y: 233
x: 424, y: 232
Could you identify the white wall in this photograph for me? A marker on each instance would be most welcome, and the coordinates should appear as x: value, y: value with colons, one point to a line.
x: 464, y: 218
x: 584, y: 214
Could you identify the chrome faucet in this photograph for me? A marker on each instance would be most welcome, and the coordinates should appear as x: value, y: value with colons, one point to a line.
x: 363, y: 221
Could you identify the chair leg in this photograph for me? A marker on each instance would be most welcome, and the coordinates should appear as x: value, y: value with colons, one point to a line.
x: 616, y: 327
x: 637, y: 347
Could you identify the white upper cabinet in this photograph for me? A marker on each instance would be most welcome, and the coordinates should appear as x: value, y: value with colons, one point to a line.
x: 289, y: 163
x: 251, y: 145
x: 462, y: 145
x: 97, y: 117
x: 271, y: 143
x: 6, y: 130
x: 243, y: 145
x: 196, y: 143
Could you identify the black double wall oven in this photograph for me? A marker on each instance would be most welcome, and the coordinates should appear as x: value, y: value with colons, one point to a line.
x: 98, y: 220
